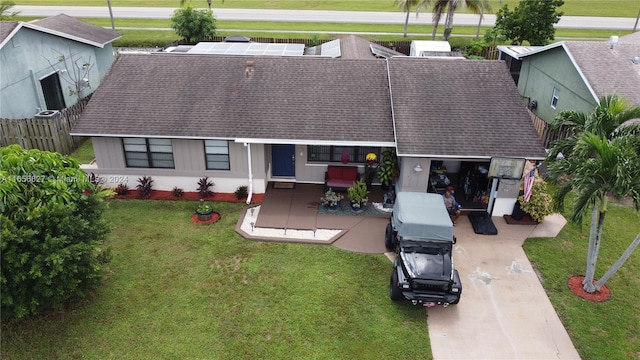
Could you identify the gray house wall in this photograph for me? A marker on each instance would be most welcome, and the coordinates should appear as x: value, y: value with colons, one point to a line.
x: 189, y: 160
x: 24, y: 61
x: 541, y: 72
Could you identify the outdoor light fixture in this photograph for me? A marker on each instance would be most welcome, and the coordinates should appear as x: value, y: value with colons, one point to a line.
x: 252, y: 226
x: 314, y: 232
x: 285, y: 231
x: 252, y: 210
x: 417, y: 168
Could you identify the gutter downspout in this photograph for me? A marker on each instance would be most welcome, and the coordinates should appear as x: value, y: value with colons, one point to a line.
x: 250, y: 194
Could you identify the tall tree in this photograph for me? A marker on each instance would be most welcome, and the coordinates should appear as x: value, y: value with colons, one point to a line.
x: 600, y: 160
x: 406, y: 6
x: 194, y: 25
x: 438, y: 9
x: 531, y: 20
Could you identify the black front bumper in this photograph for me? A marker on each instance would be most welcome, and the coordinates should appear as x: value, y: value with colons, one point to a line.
x: 438, y: 298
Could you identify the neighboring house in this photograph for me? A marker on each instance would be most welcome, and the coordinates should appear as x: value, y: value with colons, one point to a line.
x: 248, y: 120
x: 512, y: 56
x: 37, y: 70
x: 574, y: 75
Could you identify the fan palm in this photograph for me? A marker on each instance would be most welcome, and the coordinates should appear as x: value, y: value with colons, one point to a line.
x: 600, y: 160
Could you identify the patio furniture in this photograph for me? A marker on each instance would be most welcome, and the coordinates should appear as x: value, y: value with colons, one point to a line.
x: 340, y: 178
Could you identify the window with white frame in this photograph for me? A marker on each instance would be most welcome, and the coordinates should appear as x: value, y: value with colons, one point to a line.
x: 217, y: 154
x: 554, y: 97
x: 148, y: 153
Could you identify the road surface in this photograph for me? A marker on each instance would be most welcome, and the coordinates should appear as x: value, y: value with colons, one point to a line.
x: 320, y: 16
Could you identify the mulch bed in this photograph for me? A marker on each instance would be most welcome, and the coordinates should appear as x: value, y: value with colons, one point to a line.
x: 167, y: 195
x: 214, y: 218
x: 526, y: 220
x: 575, y: 284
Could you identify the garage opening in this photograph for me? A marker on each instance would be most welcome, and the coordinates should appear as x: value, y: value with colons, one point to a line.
x: 468, y: 179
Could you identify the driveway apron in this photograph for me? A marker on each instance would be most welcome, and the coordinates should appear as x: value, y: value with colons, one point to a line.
x: 504, y: 312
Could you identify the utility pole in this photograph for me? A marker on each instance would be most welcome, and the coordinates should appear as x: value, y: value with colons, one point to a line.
x: 113, y: 26
x: 636, y: 24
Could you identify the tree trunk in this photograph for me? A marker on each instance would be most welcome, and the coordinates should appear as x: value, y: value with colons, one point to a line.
x: 479, y: 23
x: 591, y: 247
x: 635, y: 26
x: 436, y: 21
x: 589, y: 285
x: 615, y: 267
x: 406, y: 22
x: 448, y: 23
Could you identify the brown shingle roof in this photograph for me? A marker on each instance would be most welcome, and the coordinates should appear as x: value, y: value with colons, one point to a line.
x: 609, y: 71
x: 6, y: 27
x: 459, y: 108
x: 355, y: 47
x: 308, y: 99
x: 77, y: 29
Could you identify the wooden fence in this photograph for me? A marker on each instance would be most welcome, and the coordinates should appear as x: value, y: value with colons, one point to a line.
x: 50, y: 134
x: 545, y: 133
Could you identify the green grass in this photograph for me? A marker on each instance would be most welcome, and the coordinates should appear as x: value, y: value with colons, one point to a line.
x: 84, y: 153
x: 606, y: 330
x: 179, y: 290
x: 623, y: 8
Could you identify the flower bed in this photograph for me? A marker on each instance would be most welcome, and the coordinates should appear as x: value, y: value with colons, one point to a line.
x: 167, y: 195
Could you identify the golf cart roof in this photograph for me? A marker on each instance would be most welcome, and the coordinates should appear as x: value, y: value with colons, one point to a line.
x: 422, y: 216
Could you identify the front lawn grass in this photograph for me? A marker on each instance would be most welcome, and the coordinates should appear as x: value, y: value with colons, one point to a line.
x: 183, y: 291
x: 607, y: 330
x: 84, y: 153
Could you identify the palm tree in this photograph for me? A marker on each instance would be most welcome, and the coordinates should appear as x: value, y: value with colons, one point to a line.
x: 439, y: 6
x: 437, y: 10
x: 600, y: 160
x: 5, y: 14
x: 476, y: 7
x: 406, y: 5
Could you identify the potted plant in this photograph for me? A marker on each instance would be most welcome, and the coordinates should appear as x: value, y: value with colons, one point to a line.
x: 370, y: 169
x: 388, y: 170
x: 204, y: 211
x: 358, y: 195
x: 539, y: 204
x: 331, y: 199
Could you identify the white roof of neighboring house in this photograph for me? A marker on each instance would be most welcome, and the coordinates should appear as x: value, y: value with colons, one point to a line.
x: 516, y: 51
x: 63, y: 26
x: 429, y: 45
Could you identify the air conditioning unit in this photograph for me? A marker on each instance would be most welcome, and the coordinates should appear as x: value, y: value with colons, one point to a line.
x: 46, y: 114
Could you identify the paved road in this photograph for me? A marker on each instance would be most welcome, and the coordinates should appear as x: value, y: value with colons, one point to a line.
x: 325, y: 16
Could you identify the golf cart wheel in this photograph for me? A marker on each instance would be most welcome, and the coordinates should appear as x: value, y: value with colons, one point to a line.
x: 389, y: 240
x: 395, y: 293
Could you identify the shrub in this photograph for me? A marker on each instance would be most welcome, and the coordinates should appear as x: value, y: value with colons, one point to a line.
x: 177, y: 192
x: 242, y: 192
x: 203, y: 187
x: 540, y: 204
x: 145, y: 186
x: 52, y: 231
x: 122, y: 189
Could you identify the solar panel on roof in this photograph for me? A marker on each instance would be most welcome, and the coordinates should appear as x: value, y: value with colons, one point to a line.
x: 248, y: 49
x: 382, y: 51
x: 331, y: 48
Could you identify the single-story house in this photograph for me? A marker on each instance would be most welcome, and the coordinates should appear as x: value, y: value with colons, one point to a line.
x: 248, y: 120
x: 574, y: 75
x: 41, y: 61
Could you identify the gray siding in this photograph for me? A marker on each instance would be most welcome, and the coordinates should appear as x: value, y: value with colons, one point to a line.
x: 542, y: 72
x: 188, y: 156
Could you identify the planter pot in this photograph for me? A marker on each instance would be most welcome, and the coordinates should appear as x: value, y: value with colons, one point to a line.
x: 205, y: 216
x: 356, y: 209
x: 333, y: 207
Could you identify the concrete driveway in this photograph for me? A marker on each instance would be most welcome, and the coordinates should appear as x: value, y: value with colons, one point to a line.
x: 504, y: 312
